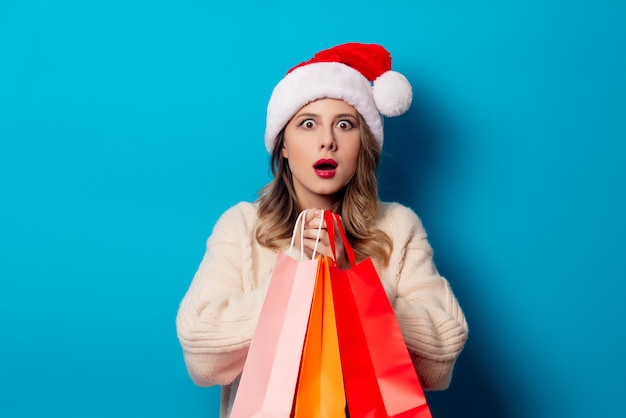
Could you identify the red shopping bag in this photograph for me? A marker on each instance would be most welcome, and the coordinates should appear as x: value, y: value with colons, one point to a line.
x: 268, y: 381
x: 379, y: 377
x: 320, y: 390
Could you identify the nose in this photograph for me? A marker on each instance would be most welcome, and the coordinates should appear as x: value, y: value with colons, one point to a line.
x: 328, y: 139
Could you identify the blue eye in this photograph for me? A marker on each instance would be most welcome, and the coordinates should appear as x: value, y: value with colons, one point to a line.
x: 308, y: 124
x: 345, y: 125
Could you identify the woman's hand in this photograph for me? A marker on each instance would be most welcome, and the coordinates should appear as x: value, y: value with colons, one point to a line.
x: 312, y: 222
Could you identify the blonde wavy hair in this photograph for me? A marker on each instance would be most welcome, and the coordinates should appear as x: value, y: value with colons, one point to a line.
x: 357, y: 205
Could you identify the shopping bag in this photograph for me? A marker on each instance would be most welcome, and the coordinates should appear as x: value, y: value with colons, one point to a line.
x: 268, y: 381
x: 320, y: 390
x: 379, y: 377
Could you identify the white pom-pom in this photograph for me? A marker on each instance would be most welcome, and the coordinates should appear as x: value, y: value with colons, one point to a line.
x: 392, y: 93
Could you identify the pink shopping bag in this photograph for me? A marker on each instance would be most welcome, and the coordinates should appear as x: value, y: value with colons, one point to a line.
x: 268, y: 380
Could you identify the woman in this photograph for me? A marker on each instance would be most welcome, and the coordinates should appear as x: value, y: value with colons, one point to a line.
x: 324, y: 133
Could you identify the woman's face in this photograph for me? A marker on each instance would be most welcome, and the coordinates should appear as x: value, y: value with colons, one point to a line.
x: 322, y: 144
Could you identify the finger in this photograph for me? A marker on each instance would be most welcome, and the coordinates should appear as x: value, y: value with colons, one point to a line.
x: 311, y: 214
x: 314, y: 226
x: 320, y: 246
x: 317, y: 235
x: 311, y: 241
x: 314, y: 218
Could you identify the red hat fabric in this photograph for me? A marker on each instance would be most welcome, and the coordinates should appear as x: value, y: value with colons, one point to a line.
x: 359, y: 74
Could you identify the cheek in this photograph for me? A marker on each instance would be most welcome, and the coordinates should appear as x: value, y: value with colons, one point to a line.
x: 289, y: 148
x: 355, y: 151
x: 295, y: 149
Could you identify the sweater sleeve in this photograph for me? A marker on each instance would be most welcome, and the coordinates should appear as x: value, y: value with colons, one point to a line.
x: 432, y: 322
x: 218, y: 314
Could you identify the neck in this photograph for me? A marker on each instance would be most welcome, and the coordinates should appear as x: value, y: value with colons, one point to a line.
x: 319, y: 202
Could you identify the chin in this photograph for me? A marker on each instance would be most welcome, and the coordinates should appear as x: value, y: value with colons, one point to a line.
x: 334, y: 194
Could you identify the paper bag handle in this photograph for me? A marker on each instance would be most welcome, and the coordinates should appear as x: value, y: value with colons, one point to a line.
x: 300, y: 219
x: 332, y: 219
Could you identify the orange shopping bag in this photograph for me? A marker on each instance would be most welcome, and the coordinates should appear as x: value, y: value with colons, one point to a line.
x: 320, y: 390
x: 268, y: 381
x: 379, y: 377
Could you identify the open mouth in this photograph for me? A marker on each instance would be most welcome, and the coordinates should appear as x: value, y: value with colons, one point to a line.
x: 325, y: 165
x: 325, y: 168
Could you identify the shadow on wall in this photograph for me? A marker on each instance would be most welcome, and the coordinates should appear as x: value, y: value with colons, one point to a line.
x: 412, y: 157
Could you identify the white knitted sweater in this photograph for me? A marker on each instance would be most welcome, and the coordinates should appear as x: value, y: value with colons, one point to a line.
x: 218, y: 315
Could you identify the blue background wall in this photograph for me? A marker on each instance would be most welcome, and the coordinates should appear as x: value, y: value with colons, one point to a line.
x: 127, y: 127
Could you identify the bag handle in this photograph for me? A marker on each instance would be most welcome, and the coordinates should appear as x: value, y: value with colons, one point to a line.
x: 300, y: 219
x: 332, y: 219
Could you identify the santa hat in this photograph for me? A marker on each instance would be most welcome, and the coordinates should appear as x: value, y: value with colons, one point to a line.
x: 359, y: 74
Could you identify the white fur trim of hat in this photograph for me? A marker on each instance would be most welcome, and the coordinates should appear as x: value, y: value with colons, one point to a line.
x: 359, y: 74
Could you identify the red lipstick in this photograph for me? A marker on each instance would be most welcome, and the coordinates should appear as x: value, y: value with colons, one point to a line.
x: 325, y: 168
